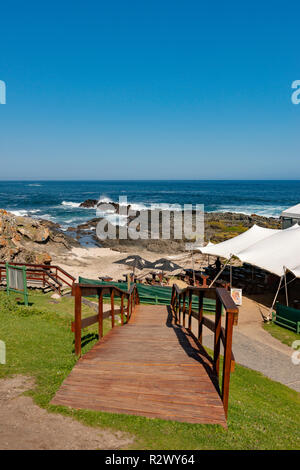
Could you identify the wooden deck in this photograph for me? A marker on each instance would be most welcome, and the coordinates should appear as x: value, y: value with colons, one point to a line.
x: 148, y: 367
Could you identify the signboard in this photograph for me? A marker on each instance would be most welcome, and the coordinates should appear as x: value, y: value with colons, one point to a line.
x: 16, y: 280
x: 2, y: 352
x: 236, y: 295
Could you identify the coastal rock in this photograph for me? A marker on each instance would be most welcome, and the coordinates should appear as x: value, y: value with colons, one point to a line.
x: 89, y: 203
x: 42, y: 258
x: 23, y: 240
x: 32, y: 229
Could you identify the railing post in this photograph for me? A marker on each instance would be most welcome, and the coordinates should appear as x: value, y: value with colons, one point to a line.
x: 128, y: 310
x: 112, y: 307
x: 217, y: 336
x: 183, y: 309
x: 204, y: 279
x: 137, y: 298
x: 173, y: 297
x: 200, y: 316
x: 122, y: 309
x: 177, y: 308
x: 77, y: 320
x: 100, y: 313
x: 190, y: 309
x: 227, y: 360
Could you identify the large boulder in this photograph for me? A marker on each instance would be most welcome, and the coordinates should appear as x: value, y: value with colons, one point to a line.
x: 23, y: 239
x: 89, y: 203
x: 32, y: 229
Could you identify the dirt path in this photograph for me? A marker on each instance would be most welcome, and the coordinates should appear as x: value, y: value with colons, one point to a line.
x: 24, y: 425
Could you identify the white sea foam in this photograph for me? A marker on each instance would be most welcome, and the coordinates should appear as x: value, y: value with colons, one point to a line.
x: 70, y: 204
x: 265, y: 211
x: 20, y: 213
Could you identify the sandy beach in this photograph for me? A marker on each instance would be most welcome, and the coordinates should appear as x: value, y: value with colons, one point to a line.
x: 94, y: 262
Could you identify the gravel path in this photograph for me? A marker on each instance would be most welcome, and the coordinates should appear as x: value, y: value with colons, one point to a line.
x: 255, y: 348
x: 272, y: 363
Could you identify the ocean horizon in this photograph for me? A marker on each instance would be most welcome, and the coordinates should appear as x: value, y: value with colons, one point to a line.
x: 59, y: 200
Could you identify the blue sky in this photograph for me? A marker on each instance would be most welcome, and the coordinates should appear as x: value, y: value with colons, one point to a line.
x: 149, y: 89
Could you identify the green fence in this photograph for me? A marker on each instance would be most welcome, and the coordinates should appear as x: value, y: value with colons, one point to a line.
x: 287, y: 317
x: 156, y: 295
x: 16, y: 281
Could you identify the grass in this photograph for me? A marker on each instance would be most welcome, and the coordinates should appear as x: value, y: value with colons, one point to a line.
x: 262, y: 414
x: 284, y: 335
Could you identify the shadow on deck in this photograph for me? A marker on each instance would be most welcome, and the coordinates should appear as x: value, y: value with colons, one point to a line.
x: 149, y: 367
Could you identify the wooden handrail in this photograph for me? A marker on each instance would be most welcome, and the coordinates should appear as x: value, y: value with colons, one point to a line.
x: 44, y: 270
x: 223, y: 301
x: 86, y: 290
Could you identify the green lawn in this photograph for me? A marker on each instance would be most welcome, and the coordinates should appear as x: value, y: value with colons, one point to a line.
x: 262, y: 414
x: 284, y: 335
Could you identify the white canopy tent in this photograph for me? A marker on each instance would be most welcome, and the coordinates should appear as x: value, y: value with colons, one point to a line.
x: 236, y: 244
x: 276, y: 253
x: 233, y: 246
x: 293, y: 212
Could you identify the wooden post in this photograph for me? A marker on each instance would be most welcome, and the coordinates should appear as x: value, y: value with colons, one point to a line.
x: 122, y: 309
x: 190, y: 309
x: 227, y: 360
x: 204, y: 279
x: 100, y: 313
x: 200, y: 316
x: 128, y: 310
x: 173, y: 298
x: 77, y: 320
x: 183, y: 309
x: 179, y: 308
x: 112, y: 306
x: 217, y: 337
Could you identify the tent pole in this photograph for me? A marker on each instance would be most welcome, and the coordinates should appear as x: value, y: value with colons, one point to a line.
x: 286, y: 290
x: 230, y: 274
x: 276, y: 295
x: 220, y: 272
x: 193, y: 266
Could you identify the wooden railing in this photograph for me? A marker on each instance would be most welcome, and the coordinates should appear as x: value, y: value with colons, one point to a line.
x: 181, y: 304
x: 87, y: 290
x: 46, y: 275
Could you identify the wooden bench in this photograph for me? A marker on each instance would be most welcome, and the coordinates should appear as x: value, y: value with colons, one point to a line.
x: 287, y: 317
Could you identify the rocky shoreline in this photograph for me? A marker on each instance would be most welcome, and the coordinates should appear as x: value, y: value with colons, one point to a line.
x: 219, y: 226
x: 28, y: 240
x: 32, y: 241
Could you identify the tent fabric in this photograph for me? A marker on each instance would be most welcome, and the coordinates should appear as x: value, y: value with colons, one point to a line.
x: 269, y: 249
x: 236, y: 244
x: 293, y: 211
x: 295, y: 270
x: 275, y: 253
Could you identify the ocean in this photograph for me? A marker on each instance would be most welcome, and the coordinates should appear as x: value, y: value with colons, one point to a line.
x: 59, y: 201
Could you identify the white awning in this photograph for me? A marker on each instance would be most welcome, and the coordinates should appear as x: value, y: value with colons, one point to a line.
x: 275, y: 253
x: 292, y: 212
x: 236, y: 244
x: 296, y: 271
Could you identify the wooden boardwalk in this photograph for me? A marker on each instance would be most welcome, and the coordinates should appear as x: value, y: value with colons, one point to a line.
x: 148, y: 367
